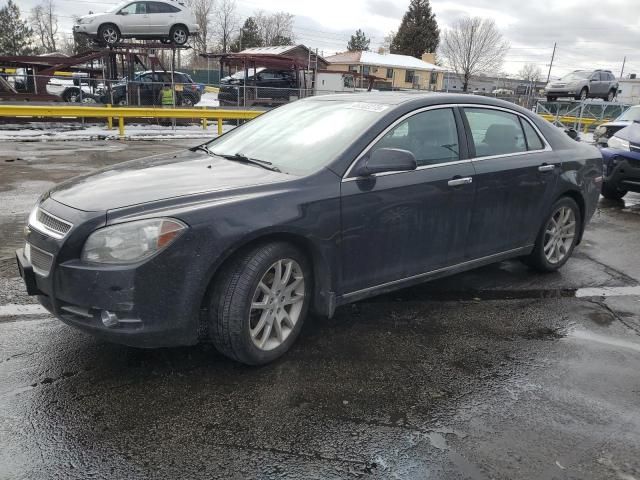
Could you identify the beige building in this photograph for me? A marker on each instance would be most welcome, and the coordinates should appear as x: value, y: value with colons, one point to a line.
x: 392, y: 71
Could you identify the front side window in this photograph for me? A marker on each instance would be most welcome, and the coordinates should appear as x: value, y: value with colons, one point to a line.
x: 432, y: 136
x: 495, y: 132
x: 130, y: 9
x: 389, y: 72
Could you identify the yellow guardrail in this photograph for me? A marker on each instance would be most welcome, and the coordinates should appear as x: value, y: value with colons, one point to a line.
x: 110, y: 112
x: 585, y: 122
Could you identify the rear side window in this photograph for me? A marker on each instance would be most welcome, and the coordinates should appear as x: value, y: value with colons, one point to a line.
x: 533, y: 139
x: 495, y: 132
x: 158, y: 7
x: 431, y: 136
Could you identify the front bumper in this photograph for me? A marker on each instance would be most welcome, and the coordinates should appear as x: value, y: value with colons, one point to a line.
x: 622, y: 169
x: 560, y: 92
x: 156, y: 303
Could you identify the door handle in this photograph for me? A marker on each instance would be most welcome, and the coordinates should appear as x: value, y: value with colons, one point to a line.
x: 456, y: 182
x: 546, y: 168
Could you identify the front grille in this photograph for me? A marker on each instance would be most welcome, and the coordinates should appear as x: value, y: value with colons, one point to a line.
x: 41, y: 261
x: 53, y: 223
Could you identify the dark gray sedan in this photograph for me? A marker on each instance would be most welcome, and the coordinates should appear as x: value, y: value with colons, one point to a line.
x: 313, y: 205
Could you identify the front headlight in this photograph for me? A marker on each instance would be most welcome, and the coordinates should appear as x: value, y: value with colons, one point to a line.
x: 131, y: 242
x: 619, y: 144
x: 85, y: 21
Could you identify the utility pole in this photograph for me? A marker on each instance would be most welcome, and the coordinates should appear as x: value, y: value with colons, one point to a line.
x: 553, y: 56
x: 624, y: 62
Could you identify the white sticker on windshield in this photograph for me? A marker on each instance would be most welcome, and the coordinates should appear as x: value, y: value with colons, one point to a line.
x: 371, y: 107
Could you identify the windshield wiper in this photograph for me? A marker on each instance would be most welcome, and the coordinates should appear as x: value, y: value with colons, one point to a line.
x: 203, y: 148
x: 239, y: 157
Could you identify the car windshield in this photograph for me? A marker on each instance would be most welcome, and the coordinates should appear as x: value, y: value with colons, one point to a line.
x: 631, y: 115
x: 572, y: 77
x: 301, y: 137
x: 240, y: 74
x: 118, y: 7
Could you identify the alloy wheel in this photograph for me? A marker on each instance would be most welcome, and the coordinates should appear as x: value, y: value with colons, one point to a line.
x: 109, y: 35
x: 276, y: 304
x: 559, y: 235
x: 179, y: 36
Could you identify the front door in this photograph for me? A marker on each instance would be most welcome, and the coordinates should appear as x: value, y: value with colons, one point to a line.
x: 401, y: 224
x: 516, y: 174
x: 134, y: 20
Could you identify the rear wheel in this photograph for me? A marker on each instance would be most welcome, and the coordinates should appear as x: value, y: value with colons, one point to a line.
x: 610, y: 96
x: 557, y: 237
x: 179, y: 34
x: 109, y: 34
x: 610, y: 192
x: 259, y: 303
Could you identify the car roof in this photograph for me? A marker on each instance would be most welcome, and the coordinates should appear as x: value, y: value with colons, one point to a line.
x: 417, y: 97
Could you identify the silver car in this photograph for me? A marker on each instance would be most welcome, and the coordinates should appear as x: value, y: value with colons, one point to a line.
x: 165, y: 20
x: 583, y: 84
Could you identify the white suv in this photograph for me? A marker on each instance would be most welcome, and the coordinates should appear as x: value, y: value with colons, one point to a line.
x: 165, y: 20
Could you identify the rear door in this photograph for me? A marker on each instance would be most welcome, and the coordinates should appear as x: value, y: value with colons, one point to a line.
x: 516, y: 174
x: 402, y: 224
x: 161, y: 17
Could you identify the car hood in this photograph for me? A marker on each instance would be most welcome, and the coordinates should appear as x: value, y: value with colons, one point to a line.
x: 619, y: 123
x: 159, y: 178
x: 631, y: 133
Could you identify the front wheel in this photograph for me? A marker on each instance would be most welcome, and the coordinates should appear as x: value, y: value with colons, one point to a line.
x: 557, y: 237
x: 259, y: 303
x: 610, y: 192
x: 109, y: 34
x: 610, y: 96
x: 584, y: 94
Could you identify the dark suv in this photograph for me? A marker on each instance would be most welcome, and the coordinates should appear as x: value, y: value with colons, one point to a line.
x: 145, y: 89
x: 583, y: 84
x: 263, y: 83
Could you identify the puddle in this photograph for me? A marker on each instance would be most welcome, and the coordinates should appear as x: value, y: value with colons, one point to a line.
x: 12, y: 310
x: 588, y: 336
x: 608, y: 291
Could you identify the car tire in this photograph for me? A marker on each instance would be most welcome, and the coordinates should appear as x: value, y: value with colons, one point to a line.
x: 610, y: 96
x: 612, y: 193
x: 179, y: 34
x: 71, y: 95
x: 583, y: 95
x: 109, y: 34
x: 187, y: 101
x: 555, y: 241
x: 248, y: 294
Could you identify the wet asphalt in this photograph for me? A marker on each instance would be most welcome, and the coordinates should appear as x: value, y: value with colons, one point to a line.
x: 498, y: 373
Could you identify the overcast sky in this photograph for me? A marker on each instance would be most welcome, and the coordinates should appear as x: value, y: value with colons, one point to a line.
x: 589, y: 33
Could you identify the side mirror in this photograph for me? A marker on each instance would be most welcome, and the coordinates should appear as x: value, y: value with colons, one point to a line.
x: 122, y: 12
x: 572, y: 133
x: 387, y: 160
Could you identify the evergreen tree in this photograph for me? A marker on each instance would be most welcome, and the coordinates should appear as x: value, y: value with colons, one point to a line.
x: 249, y: 36
x: 418, y: 32
x: 358, y: 42
x: 15, y: 35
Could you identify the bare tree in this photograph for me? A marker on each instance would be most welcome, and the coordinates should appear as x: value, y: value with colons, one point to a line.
x: 44, y: 22
x: 202, y: 10
x: 530, y: 73
x: 473, y: 46
x: 225, y: 23
x: 274, y: 28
